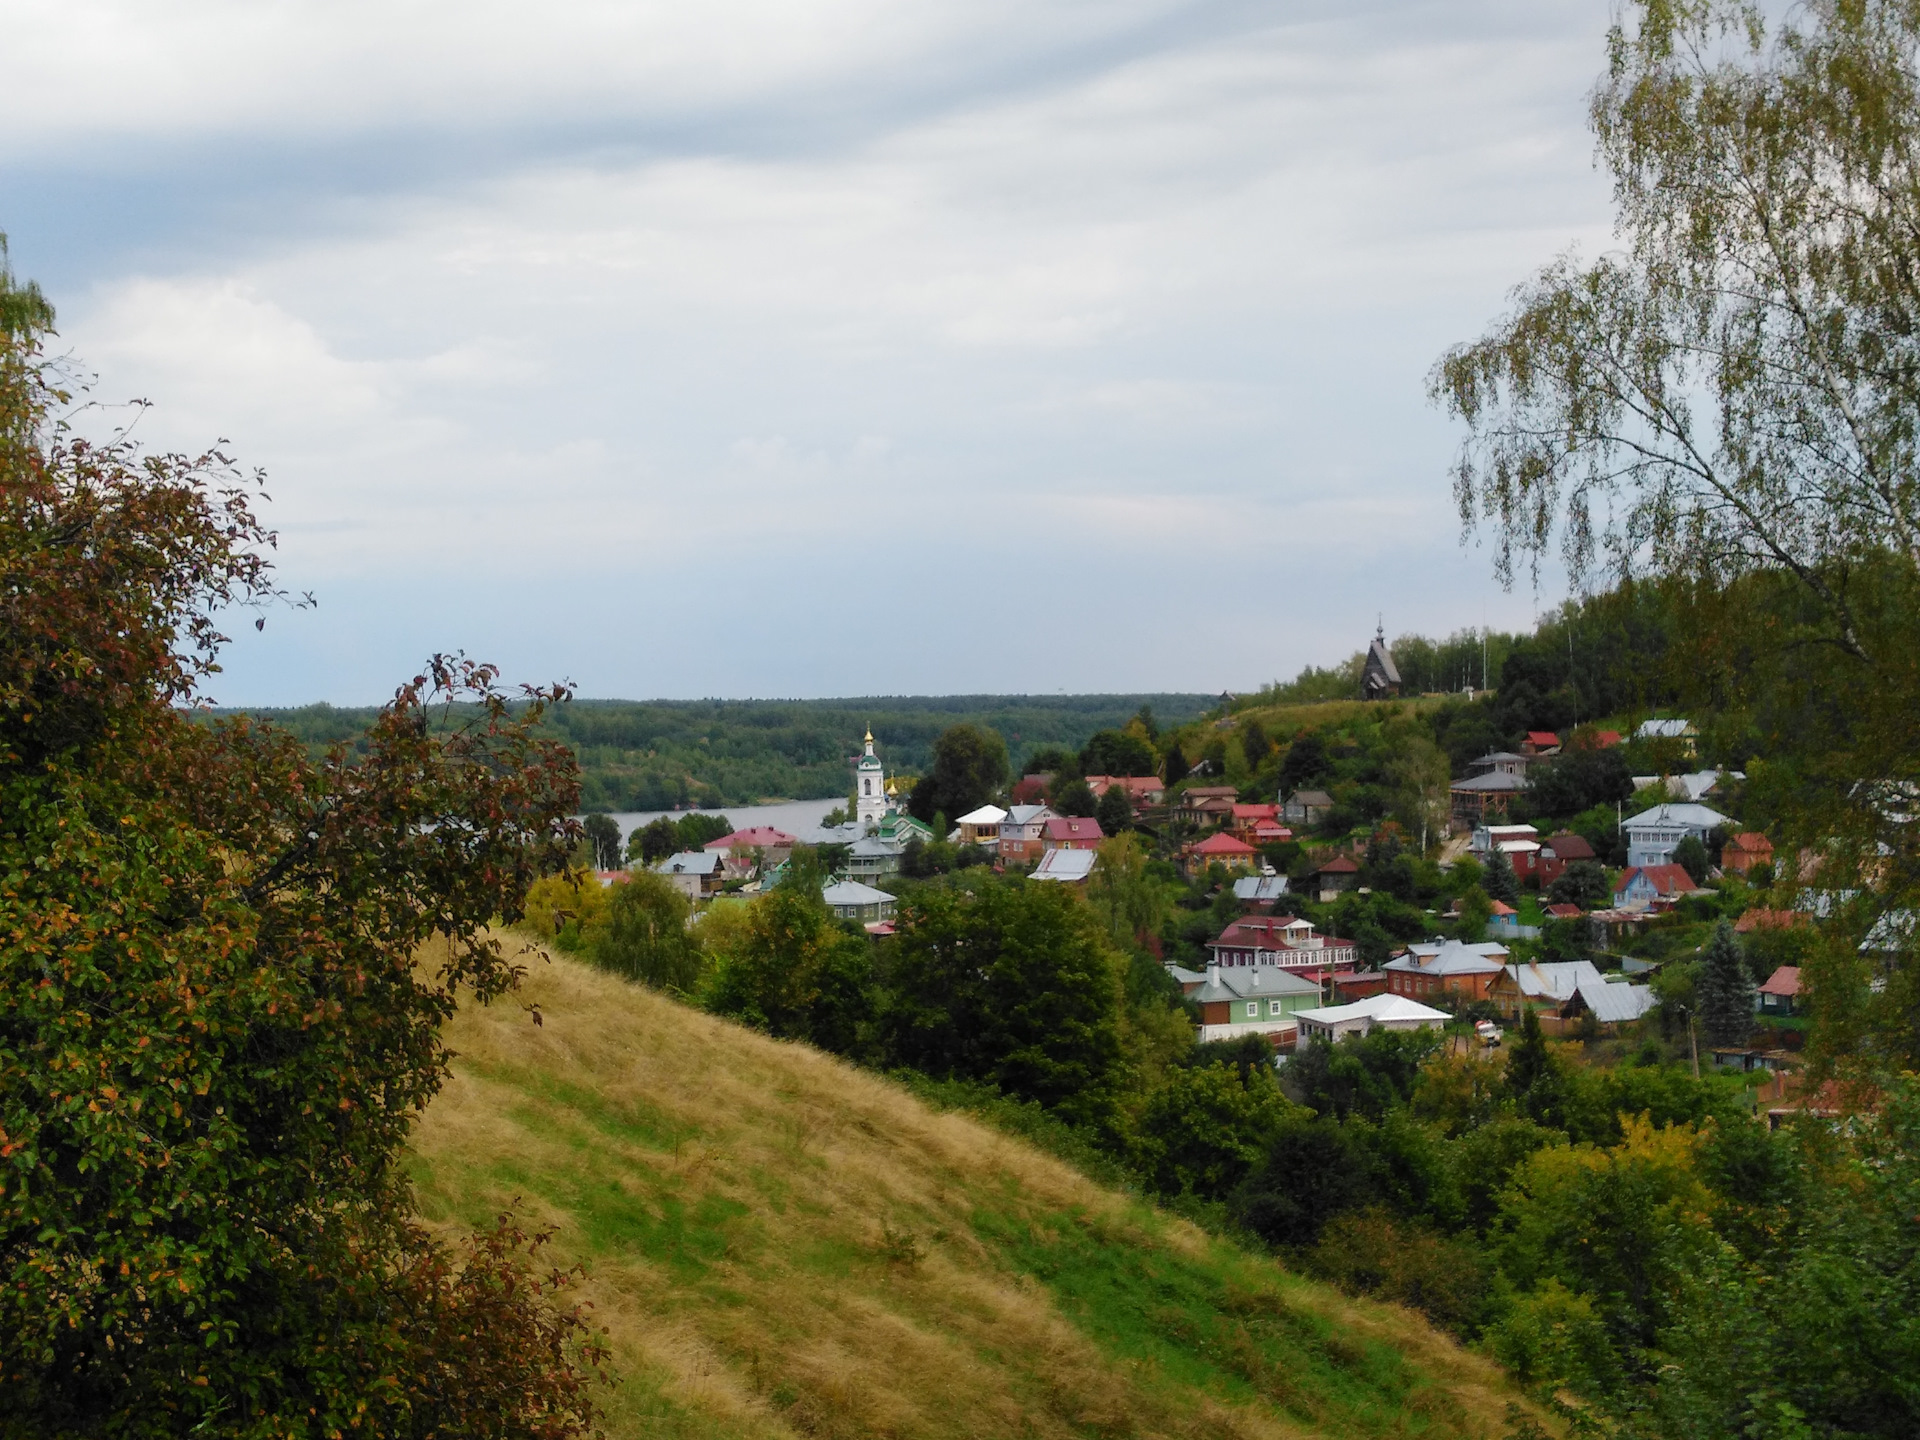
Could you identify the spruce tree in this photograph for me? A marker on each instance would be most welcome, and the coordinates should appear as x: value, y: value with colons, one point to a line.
x: 1725, y: 989
x: 1501, y: 883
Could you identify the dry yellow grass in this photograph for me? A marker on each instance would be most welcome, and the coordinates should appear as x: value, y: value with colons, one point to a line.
x: 784, y: 1245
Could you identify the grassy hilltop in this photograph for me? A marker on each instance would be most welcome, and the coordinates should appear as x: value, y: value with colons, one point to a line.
x: 784, y: 1245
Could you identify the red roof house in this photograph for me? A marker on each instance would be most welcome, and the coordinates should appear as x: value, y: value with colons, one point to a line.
x: 1781, y: 992
x: 1540, y: 742
x: 1642, y: 885
x: 1565, y: 912
x: 1746, y: 850
x: 1071, y: 832
x: 1222, y: 849
x: 1760, y: 918
x: 754, y: 837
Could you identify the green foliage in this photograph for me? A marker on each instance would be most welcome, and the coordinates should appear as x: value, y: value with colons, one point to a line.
x: 1118, y: 752
x: 226, y: 968
x: 969, y: 768
x: 603, y: 834
x: 654, y: 841
x: 1307, y: 761
x: 1115, y: 811
x: 1176, y: 767
x: 1313, y: 1170
x: 792, y: 971
x: 1725, y: 989
x: 1013, y: 984
x: 642, y: 933
x: 1501, y: 883
x: 1206, y: 1127
x: 1583, y: 883
x: 1074, y: 797
x: 1362, y: 1074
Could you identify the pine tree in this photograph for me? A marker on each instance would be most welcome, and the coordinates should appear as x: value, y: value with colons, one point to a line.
x: 1725, y: 989
x: 1501, y: 883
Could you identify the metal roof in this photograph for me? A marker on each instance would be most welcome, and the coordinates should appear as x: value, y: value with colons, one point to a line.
x: 1253, y: 982
x: 1614, y: 1003
x: 852, y: 892
x: 1382, y: 1007
x: 1065, y: 865
x: 690, y: 862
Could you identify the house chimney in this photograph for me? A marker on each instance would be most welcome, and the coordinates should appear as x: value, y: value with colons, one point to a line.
x: 1213, y: 974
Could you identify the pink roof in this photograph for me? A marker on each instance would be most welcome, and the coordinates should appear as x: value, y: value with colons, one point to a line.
x: 755, y: 837
x: 1271, y: 830
x: 1542, y: 737
x: 1563, y: 912
x: 1256, y: 812
x: 1605, y: 739
x: 1069, y: 827
x: 1752, y: 841
x: 1501, y: 908
x: 1222, y: 844
x: 1784, y: 981
x: 1339, y: 865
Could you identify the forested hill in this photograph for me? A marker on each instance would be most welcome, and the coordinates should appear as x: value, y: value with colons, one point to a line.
x: 655, y: 754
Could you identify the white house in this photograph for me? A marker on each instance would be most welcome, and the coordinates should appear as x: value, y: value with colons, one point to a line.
x: 693, y: 872
x: 1652, y: 835
x: 980, y: 827
x: 1377, y: 1012
x: 850, y: 900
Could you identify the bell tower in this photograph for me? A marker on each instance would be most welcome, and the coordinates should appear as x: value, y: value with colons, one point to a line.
x: 869, y: 791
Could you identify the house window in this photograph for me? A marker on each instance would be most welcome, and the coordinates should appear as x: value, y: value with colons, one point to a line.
x: 1273, y: 1007
x: 1253, y: 1008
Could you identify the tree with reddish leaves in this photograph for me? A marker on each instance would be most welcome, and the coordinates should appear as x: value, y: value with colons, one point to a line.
x: 223, y: 976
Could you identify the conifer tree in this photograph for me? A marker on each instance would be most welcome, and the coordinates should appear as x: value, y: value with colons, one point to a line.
x: 1501, y: 883
x: 1725, y: 989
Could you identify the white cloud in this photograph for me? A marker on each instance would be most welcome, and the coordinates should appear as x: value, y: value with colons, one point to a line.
x: 1104, y: 290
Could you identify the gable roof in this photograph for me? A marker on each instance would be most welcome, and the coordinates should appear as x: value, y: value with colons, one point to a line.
x: 1073, y: 827
x: 1665, y: 879
x: 1252, y: 982
x: 1568, y: 846
x: 852, y: 892
x: 1761, y: 918
x: 1612, y: 1002
x: 1310, y: 797
x: 985, y: 815
x: 690, y: 862
x: 1260, y: 887
x: 1751, y: 842
x: 1564, y: 911
x: 1557, y: 980
x: 1784, y: 981
x: 1223, y: 844
x: 1069, y: 866
x: 1263, y: 932
x: 1339, y: 865
x: 1026, y: 814
x: 1694, y: 817
x: 754, y: 837
x: 1542, y: 738
x: 1492, y: 780
x: 1450, y: 958
x: 1664, y: 730
x: 1384, y: 1006
x: 1256, y: 812
x: 1380, y: 658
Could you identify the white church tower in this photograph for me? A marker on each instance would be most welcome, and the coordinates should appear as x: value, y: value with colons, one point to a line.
x: 870, y: 790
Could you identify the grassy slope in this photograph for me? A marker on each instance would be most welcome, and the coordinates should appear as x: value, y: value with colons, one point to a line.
x: 783, y: 1245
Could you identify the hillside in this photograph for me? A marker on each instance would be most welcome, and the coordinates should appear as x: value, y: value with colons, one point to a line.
x: 784, y: 1245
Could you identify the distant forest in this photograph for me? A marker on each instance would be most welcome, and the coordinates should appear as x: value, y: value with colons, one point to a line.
x: 658, y: 754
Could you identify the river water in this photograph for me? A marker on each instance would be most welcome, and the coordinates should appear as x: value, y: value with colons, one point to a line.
x: 799, y: 818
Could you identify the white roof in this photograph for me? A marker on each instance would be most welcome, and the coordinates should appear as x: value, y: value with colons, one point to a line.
x: 1663, y: 729
x: 691, y: 862
x: 985, y: 815
x: 1694, y: 817
x: 1027, y: 814
x: 1382, y: 1008
x: 1067, y: 865
x: 1555, y: 979
x: 852, y: 892
x: 1612, y: 1002
x: 1260, y: 887
x: 1510, y: 832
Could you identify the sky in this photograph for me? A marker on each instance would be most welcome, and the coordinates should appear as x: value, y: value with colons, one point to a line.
x: 819, y: 347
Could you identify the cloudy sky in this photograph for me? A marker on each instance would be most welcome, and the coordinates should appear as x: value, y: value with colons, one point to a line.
x: 809, y: 347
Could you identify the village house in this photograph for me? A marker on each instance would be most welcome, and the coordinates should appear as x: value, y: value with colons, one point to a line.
x: 1540, y: 743
x: 1070, y: 832
x: 744, y: 851
x: 1246, y: 819
x: 1641, y: 887
x: 1258, y: 1001
x: 850, y: 900
x: 1260, y: 892
x: 1142, y: 790
x: 1220, y: 849
x: 1068, y: 867
x: 1781, y: 994
x: 981, y: 827
x: 1306, y: 808
x: 1745, y: 851
x: 1519, y: 843
x: 694, y: 873
x: 1446, y: 967
x: 1541, y: 985
x: 1490, y: 790
x: 1020, y: 832
x: 1560, y: 850
x: 1679, y: 730
x: 1653, y: 835
x: 1283, y: 940
x: 1761, y: 918
x: 1208, y: 804
x: 1340, y: 873
x: 1385, y: 1011
x: 1609, y: 1003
